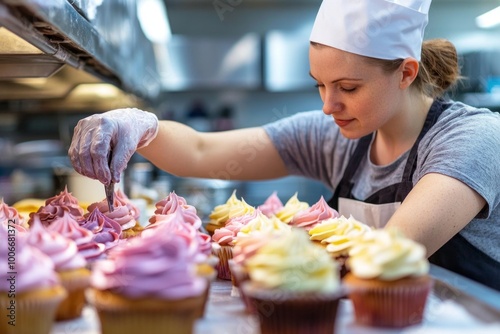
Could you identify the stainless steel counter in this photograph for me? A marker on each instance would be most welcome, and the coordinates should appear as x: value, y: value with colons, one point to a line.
x: 456, y: 305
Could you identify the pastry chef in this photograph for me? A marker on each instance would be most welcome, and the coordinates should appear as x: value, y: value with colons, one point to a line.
x: 388, y: 143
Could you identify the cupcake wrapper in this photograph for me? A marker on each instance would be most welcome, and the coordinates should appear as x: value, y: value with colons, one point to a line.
x: 120, y: 315
x: 386, y: 306
x: 224, y: 253
x: 294, y: 313
x: 75, y: 282
x: 34, y: 311
x: 239, y: 276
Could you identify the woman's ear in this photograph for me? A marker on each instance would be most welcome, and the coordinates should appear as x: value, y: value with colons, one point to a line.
x: 409, y: 70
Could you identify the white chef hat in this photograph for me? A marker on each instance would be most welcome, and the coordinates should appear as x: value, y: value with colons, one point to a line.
x: 384, y: 29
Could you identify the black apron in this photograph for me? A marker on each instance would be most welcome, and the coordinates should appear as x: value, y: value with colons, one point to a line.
x: 457, y: 255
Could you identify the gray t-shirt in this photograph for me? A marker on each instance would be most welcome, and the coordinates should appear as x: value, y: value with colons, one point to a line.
x: 463, y: 144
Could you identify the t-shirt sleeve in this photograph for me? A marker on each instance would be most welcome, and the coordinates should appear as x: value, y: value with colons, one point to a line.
x: 310, y: 145
x: 467, y: 149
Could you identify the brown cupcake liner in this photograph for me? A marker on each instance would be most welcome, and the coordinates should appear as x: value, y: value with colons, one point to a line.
x: 294, y: 312
x: 34, y: 311
x: 224, y: 253
x: 395, y: 306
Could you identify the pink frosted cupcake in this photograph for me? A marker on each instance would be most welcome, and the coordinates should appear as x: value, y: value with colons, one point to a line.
x: 29, y: 283
x: 69, y: 228
x: 312, y: 216
x: 124, y: 200
x: 197, y: 243
x: 56, y: 206
x: 121, y: 214
x: 148, y: 285
x: 10, y: 213
x: 222, y: 242
x: 69, y: 265
x: 271, y: 205
x: 173, y: 203
x: 106, y: 231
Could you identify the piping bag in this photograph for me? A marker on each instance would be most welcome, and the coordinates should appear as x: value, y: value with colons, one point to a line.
x: 109, y: 189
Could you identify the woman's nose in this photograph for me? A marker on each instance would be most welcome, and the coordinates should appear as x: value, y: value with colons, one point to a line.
x: 331, y: 105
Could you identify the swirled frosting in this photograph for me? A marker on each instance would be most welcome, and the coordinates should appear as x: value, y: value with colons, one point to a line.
x: 313, y: 215
x: 174, y: 224
x: 292, y: 206
x: 10, y: 213
x: 339, y: 234
x: 226, y: 235
x: 106, y: 230
x: 245, y: 248
x: 387, y: 255
x: 232, y: 208
x: 62, y: 251
x: 121, y: 213
x: 33, y: 269
x: 292, y: 262
x: 69, y: 228
x: 56, y: 206
x: 271, y: 205
x: 173, y: 203
x: 153, y: 265
x: 263, y: 224
x: 124, y: 200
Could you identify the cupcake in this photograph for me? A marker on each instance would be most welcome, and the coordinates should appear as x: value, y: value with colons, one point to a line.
x: 30, y: 291
x: 106, y: 231
x: 243, y: 250
x: 313, y: 215
x: 148, y: 285
x: 9, y: 213
x: 389, y: 282
x: 222, y: 242
x: 68, y: 264
x: 56, y: 206
x: 68, y: 227
x: 121, y: 214
x: 221, y: 213
x: 338, y: 236
x: 197, y: 243
x: 293, y: 285
x: 291, y: 207
x: 271, y: 205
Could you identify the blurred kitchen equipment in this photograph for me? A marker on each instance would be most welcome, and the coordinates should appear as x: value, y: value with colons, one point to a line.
x: 205, y: 194
x: 85, y: 189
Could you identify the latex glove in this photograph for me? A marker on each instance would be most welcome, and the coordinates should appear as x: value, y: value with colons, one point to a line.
x: 121, y: 131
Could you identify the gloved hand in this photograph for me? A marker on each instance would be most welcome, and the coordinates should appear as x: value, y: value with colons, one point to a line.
x: 119, y: 131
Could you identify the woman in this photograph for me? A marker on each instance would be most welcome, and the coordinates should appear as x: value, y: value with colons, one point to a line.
x: 393, y: 151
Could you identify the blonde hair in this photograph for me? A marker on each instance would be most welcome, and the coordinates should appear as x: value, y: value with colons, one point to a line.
x: 439, y: 69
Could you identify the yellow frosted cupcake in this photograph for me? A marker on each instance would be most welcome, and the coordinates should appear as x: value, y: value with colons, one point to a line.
x: 293, y: 285
x: 222, y: 213
x: 388, y: 282
x: 30, y: 292
x: 338, y: 236
x: 291, y: 207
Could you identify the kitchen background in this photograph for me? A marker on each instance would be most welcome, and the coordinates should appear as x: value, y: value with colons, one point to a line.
x: 213, y: 64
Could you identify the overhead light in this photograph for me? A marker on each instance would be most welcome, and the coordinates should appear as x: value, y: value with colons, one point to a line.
x: 153, y: 19
x: 489, y: 19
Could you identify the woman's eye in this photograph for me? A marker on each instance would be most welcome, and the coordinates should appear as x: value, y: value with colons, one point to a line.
x: 318, y: 85
x: 348, y: 89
